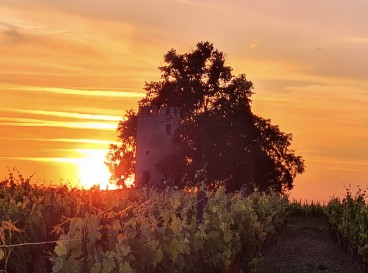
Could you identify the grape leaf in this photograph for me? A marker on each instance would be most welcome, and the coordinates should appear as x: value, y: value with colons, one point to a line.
x: 61, y: 249
x: 227, y: 235
x: 174, y: 248
x: 125, y: 268
x: 108, y: 266
x: 97, y: 267
x: 175, y: 225
x: 125, y: 250
x: 130, y: 232
x: 176, y: 203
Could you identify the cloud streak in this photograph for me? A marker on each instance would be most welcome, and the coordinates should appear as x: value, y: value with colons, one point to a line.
x: 92, y: 93
x: 66, y: 140
x: 61, y: 114
x: 27, y: 122
x: 43, y: 159
x: 75, y: 92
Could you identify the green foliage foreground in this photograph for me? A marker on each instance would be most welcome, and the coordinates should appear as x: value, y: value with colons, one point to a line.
x: 348, y: 222
x: 123, y: 231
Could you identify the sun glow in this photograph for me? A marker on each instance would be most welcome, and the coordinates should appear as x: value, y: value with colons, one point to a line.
x: 92, y: 170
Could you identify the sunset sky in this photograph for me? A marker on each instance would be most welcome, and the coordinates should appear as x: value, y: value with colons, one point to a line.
x: 70, y: 68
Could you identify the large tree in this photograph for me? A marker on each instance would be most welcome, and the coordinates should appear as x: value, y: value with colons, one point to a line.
x: 121, y: 158
x: 218, y: 133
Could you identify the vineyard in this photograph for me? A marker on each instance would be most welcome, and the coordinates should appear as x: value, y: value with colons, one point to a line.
x: 56, y: 229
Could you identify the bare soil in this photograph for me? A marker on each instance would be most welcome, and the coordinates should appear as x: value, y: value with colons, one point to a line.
x: 305, y: 247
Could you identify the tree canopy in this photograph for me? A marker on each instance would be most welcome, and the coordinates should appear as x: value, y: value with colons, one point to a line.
x: 218, y: 130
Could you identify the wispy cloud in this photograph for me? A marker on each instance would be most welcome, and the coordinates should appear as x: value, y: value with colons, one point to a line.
x: 254, y: 44
x: 63, y: 114
x: 76, y: 92
x: 26, y: 122
x: 43, y: 159
x: 66, y: 140
x: 10, y: 33
x: 89, y: 141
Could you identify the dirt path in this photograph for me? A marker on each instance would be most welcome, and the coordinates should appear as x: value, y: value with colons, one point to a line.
x: 304, y: 247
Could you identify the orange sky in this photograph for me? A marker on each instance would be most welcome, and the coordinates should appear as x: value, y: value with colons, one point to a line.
x: 69, y: 69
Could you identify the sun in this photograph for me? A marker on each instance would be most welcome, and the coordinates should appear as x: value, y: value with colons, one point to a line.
x: 92, y: 170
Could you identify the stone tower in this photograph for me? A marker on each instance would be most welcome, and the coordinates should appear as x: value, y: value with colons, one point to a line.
x: 155, y: 129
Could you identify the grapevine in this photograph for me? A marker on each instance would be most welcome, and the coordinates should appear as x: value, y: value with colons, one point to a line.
x: 123, y: 231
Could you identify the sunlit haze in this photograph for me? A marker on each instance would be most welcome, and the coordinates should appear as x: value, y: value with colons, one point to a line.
x: 69, y: 70
x: 92, y: 171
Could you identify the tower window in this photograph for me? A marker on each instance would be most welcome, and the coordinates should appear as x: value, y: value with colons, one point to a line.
x: 168, y: 129
x: 147, y: 152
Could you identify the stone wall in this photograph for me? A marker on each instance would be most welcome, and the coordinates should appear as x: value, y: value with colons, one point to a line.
x: 155, y: 129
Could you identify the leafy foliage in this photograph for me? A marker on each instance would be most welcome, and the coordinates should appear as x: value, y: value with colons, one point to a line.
x: 123, y: 231
x: 218, y: 130
x: 121, y: 158
x: 307, y: 209
x: 348, y: 220
x: 162, y: 234
x: 35, y: 213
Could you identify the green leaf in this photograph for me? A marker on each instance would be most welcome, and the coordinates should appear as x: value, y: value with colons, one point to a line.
x: 176, y: 203
x: 125, y: 268
x: 174, y: 248
x: 108, y: 266
x: 97, y: 267
x: 61, y: 249
x: 153, y: 244
x: 2, y: 254
x: 166, y: 215
x: 227, y: 235
x: 130, y: 232
x: 125, y: 250
x: 175, y: 225
x: 93, y: 233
